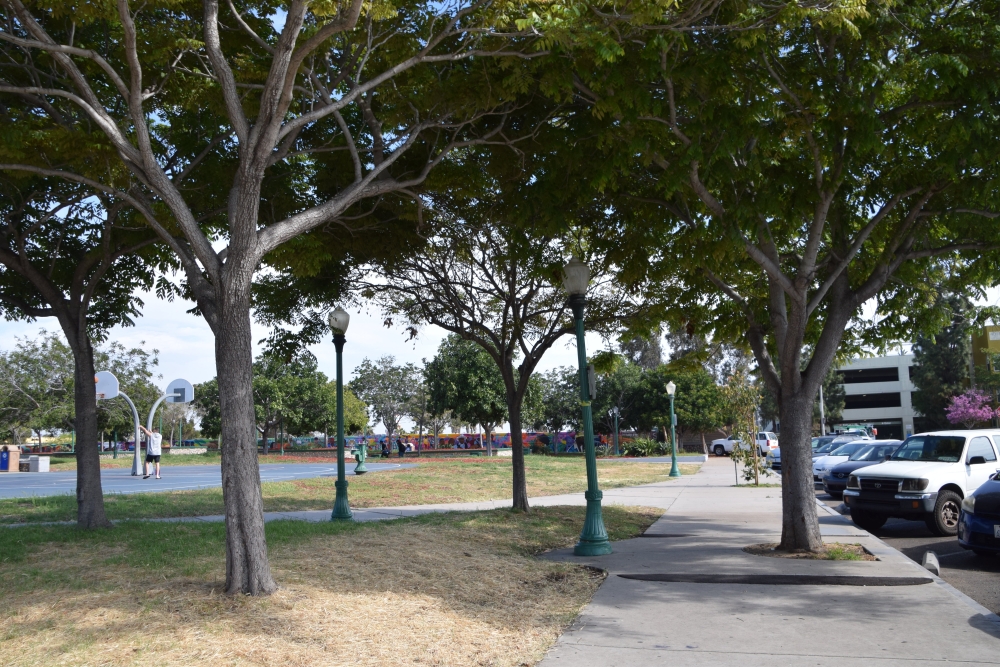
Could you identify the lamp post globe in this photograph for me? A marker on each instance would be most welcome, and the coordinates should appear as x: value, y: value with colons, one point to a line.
x: 576, y: 277
x: 339, y: 319
x: 674, y: 470
x: 594, y: 536
x: 614, y: 414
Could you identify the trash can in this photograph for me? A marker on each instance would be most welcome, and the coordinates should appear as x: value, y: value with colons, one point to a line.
x: 38, y: 464
x: 10, y: 458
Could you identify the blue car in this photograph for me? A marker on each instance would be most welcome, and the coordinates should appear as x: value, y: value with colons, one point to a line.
x: 835, y: 479
x: 979, y: 521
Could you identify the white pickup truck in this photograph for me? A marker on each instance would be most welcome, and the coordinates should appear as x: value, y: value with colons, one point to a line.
x: 927, y: 478
x: 766, y: 441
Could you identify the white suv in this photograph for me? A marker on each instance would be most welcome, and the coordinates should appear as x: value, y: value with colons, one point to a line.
x: 766, y: 441
x: 926, y: 478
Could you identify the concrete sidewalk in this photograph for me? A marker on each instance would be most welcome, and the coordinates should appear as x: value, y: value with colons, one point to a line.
x: 646, y: 621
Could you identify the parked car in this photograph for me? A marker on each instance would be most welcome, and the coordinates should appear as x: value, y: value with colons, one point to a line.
x: 927, y: 479
x: 836, y: 456
x: 821, y: 446
x: 979, y: 523
x: 873, y: 451
x: 766, y: 441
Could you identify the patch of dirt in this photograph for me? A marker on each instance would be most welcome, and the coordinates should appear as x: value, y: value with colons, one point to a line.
x: 833, y: 551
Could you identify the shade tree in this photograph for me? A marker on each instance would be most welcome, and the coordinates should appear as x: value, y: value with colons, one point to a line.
x: 76, y: 255
x: 799, y: 175
x: 348, y: 102
x: 941, y: 361
x: 388, y: 389
x: 463, y: 379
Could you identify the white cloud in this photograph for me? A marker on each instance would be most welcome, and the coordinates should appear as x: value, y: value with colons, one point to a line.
x: 187, y: 347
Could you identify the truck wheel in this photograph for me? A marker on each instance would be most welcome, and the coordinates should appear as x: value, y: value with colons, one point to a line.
x: 868, y: 520
x: 720, y: 450
x: 943, y: 521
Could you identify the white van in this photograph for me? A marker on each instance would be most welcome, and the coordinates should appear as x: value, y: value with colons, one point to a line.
x: 926, y: 478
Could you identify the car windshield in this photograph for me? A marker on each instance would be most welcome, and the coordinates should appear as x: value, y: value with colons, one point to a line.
x: 874, y: 452
x: 943, y: 448
x: 846, y: 450
x: 825, y: 449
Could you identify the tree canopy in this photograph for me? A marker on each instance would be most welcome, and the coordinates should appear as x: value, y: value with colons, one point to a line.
x: 799, y: 171
x: 464, y: 379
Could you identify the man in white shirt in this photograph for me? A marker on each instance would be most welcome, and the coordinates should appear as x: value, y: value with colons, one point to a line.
x: 153, y: 440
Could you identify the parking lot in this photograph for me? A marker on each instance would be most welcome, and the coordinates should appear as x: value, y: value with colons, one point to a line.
x: 975, y: 576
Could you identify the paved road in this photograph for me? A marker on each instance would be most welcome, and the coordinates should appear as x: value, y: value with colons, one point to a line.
x: 175, y: 478
x: 974, y: 575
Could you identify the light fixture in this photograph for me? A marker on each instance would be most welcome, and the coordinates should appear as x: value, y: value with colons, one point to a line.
x: 339, y: 319
x: 576, y: 277
x: 671, y: 388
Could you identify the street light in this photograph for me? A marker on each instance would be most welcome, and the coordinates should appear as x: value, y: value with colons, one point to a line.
x: 614, y: 413
x: 594, y: 537
x: 674, y: 471
x: 339, y: 319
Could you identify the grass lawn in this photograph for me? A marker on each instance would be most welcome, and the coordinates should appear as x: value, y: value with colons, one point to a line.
x: 432, y: 481
x: 445, y: 589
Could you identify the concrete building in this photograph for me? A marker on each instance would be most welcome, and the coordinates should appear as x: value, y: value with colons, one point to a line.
x: 878, y: 393
x: 985, y: 348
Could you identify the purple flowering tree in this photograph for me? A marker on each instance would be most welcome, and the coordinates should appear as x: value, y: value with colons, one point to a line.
x: 970, y: 408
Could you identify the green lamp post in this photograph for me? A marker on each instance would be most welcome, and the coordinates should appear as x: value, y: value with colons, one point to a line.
x: 674, y: 471
x: 339, y: 319
x: 594, y: 537
x: 615, y: 413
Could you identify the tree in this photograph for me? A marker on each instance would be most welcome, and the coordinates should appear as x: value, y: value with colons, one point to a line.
x: 560, y: 389
x: 355, y: 410
x: 804, y: 173
x: 206, y: 404
x: 463, y: 379
x: 834, y: 398
x: 36, y: 381
x: 288, y: 392
x: 742, y: 399
x: 970, y: 408
x: 494, y: 282
x: 349, y: 102
x: 620, y: 387
x: 74, y: 254
x: 698, y: 403
x: 387, y: 389
x: 643, y: 352
x: 941, y: 363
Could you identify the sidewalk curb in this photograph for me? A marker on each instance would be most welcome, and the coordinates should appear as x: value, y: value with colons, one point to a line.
x: 980, y: 609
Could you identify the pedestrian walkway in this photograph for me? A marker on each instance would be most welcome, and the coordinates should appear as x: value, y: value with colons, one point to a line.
x: 655, y: 607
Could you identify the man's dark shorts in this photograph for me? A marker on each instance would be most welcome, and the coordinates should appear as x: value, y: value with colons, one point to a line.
x: 152, y: 458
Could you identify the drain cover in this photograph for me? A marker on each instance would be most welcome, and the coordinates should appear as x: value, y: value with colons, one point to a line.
x: 781, y: 579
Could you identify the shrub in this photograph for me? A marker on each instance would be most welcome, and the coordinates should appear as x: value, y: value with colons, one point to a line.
x: 643, y: 447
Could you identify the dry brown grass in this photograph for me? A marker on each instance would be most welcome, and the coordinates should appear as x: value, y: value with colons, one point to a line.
x: 458, y: 589
x: 831, y: 551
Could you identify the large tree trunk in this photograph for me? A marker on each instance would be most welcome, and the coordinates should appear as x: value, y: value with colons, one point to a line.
x: 247, y: 567
x: 89, y: 494
x: 517, y: 455
x: 800, y: 524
